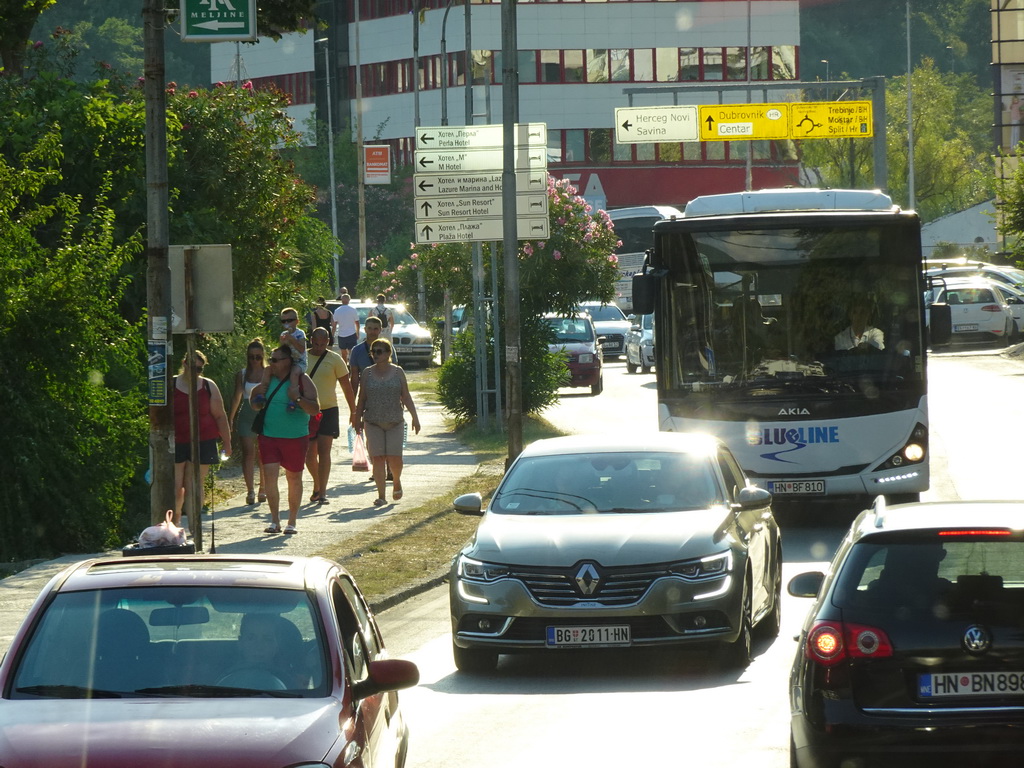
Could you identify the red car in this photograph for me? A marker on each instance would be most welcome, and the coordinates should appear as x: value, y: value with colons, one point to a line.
x: 201, y: 660
x: 576, y: 338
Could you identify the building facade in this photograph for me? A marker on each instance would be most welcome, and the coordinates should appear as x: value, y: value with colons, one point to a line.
x: 577, y: 62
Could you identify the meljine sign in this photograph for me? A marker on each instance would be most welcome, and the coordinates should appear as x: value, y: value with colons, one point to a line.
x: 218, y: 21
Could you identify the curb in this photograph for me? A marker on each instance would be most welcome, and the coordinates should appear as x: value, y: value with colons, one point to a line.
x: 390, y: 601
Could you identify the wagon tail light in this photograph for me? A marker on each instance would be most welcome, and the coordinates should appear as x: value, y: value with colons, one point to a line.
x: 991, y: 308
x: 831, y: 642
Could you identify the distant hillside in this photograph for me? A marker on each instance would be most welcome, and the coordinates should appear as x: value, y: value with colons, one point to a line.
x: 863, y: 38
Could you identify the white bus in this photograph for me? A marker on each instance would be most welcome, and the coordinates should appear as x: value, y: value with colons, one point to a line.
x: 790, y: 324
x: 634, y: 227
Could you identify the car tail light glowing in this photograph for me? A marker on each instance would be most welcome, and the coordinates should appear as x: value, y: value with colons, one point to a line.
x: 830, y: 642
x: 979, y: 532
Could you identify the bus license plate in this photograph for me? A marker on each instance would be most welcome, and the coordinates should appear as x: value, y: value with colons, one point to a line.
x: 797, y: 487
x: 576, y: 637
x: 965, y: 327
x: 959, y: 685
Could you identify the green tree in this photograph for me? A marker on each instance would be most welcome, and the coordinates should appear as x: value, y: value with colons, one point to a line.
x: 72, y: 366
x: 952, y: 167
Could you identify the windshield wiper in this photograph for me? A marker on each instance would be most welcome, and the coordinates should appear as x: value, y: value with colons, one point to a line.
x: 68, y: 692
x: 213, y: 691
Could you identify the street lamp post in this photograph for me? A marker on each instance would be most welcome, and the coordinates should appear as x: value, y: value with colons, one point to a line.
x: 828, y: 79
x: 330, y: 160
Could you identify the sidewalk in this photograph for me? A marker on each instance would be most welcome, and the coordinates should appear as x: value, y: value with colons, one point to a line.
x: 434, y: 462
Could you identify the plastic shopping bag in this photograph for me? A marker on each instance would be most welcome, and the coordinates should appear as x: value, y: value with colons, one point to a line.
x: 360, y: 463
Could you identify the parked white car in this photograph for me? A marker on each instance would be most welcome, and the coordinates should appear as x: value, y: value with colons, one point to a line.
x: 979, y: 309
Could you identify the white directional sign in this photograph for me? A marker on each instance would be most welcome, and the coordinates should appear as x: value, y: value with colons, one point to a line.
x: 461, y: 231
x: 642, y: 125
x: 474, y: 206
x: 468, y: 160
x: 480, y: 136
x: 217, y: 21
x: 432, y: 184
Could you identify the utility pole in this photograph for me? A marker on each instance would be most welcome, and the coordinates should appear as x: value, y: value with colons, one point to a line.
x: 509, y: 112
x: 158, y: 276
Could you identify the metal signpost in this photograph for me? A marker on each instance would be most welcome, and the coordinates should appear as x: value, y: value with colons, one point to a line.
x: 218, y: 21
x: 459, y: 185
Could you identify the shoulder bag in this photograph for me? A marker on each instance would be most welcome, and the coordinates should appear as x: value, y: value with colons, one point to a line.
x: 261, y: 415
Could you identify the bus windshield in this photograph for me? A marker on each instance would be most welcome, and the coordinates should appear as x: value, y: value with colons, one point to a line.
x: 829, y: 309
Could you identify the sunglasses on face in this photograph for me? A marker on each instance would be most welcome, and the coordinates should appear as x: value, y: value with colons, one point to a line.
x: 289, y: 319
x: 277, y: 359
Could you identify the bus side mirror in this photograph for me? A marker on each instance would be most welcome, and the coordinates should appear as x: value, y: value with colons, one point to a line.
x: 645, y: 288
x: 940, y: 324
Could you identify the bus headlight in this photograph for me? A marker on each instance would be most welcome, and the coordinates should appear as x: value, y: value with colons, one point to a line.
x: 913, y: 452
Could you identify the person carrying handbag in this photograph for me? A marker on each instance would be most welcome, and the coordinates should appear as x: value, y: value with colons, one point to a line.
x: 284, y: 435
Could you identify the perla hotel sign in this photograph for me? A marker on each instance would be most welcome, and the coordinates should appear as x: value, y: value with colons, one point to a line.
x: 218, y: 21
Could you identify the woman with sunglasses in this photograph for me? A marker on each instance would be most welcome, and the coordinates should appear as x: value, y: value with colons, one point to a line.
x: 246, y: 380
x: 285, y: 434
x: 383, y: 391
x: 213, y: 424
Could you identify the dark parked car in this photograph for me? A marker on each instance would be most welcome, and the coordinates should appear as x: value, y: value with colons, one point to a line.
x: 913, y: 652
x: 628, y: 541
x: 576, y: 338
x: 224, y: 661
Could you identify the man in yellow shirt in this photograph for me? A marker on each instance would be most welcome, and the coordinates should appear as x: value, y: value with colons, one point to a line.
x: 328, y: 371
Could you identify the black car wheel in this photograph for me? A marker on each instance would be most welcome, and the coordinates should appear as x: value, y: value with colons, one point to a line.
x: 474, y: 660
x: 630, y: 366
x: 737, y: 654
x: 645, y: 368
x: 597, y: 389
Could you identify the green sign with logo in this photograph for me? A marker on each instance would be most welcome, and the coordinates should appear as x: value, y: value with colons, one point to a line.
x: 218, y: 21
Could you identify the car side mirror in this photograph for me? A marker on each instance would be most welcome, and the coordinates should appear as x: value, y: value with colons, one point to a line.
x: 469, y: 504
x: 752, y: 496
x: 806, y: 584
x: 386, y: 675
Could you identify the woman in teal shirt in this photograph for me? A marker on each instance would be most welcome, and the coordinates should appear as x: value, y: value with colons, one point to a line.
x: 285, y: 435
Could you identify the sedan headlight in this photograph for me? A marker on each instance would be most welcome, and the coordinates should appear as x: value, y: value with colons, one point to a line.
x: 586, y: 358
x: 477, y: 570
x: 708, y: 567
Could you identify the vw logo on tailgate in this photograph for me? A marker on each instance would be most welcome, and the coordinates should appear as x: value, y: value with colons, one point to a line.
x: 977, y: 639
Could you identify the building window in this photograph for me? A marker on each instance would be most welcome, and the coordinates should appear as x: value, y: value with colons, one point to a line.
x: 689, y: 64
x: 736, y: 63
x: 550, y: 67
x: 597, y: 65
x: 670, y: 153
x: 783, y: 62
x: 573, y: 66
x: 666, y: 62
x: 483, y: 67
x: 623, y: 153
x: 575, y: 146
x: 619, y: 58
x: 643, y: 65
x: 600, y: 145
x: 713, y: 64
x: 759, y: 57
x: 526, y: 62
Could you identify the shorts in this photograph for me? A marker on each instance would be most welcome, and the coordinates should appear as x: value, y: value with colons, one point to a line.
x: 384, y: 439
x: 347, y: 342
x: 329, y: 424
x: 289, y: 452
x: 208, y: 453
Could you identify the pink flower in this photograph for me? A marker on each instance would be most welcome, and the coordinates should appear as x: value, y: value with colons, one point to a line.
x: 247, y: 85
x: 193, y: 95
x: 561, y: 220
x: 528, y: 249
x: 558, y: 255
x: 613, y: 259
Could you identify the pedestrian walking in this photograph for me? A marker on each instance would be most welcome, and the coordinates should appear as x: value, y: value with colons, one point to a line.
x: 360, y: 359
x: 294, y: 340
x: 242, y: 415
x: 213, y: 425
x: 328, y: 371
x: 284, y: 435
x: 346, y: 323
x: 322, y: 317
x: 386, y: 315
x: 383, y: 391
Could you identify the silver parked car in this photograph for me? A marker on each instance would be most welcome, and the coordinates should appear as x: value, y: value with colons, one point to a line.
x: 651, y: 540
x: 611, y: 324
x: 640, y: 344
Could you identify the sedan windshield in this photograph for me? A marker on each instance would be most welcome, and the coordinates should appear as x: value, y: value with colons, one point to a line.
x: 608, y: 483
x: 174, y: 641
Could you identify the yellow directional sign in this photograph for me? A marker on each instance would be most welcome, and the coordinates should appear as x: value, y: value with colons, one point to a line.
x: 744, y: 122
x: 830, y: 119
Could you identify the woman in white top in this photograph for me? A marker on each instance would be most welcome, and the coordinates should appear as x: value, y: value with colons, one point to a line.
x: 245, y: 381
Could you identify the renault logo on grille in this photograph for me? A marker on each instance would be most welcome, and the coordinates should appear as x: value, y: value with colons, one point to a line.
x: 977, y: 639
x: 587, y: 579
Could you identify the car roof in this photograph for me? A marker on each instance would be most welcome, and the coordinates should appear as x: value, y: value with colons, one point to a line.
x: 682, y: 442
x: 189, y: 570
x: 930, y: 516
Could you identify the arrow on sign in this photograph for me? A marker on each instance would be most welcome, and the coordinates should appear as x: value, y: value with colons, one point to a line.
x: 427, y: 229
x: 424, y: 186
x: 219, y: 25
x: 425, y: 138
x: 424, y: 162
x: 426, y: 207
x: 627, y: 125
x: 711, y: 123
